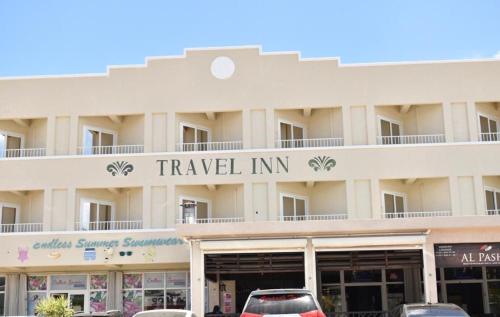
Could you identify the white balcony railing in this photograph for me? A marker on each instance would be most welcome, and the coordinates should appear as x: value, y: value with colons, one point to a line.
x: 338, y: 216
x: 210, y: 146
x: 411, y: 139
x: 21, y: 227
x: 417, y: 214
x: 493, y: 212
x: 210, y: 220
x: 23, y: 152
x: 109, y: 225
x: 111, y: 149
x: 489, y: 137
x: 323, y: 142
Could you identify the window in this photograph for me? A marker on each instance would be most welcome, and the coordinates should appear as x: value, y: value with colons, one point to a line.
x: 291, y: 135
x: 11, y: 144
x: 154, y: 290
x: 488, y: 128
x: 390, y: 131
x: 492, y: 201
x: 394, y: 205
x: 98, y: 141
x: 9, y: 216
x: 2, y: 295
x: 293, y: 207
x: 194, y: 138
x: 193, y: 209
x: 96, y: 215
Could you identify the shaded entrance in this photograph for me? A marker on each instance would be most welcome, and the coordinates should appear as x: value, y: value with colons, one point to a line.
x: 368, y: 281
x: 231, y: 277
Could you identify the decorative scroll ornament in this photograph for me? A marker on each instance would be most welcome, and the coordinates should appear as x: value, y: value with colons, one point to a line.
x: 324, y: 163
x: 120, y: 168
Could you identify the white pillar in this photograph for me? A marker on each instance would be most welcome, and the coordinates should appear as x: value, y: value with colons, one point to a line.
x: 448, y: 122
x: 371, y: 127
x: 310, y: 267
x: 47, y: 209
x: 73, y: 135
x: 479, y: 195
x: 118, y: 290
x: 346, y: 124
x: 376, y: 205
x: 248, y: 211
x: 351, y: 199
x: 51, y: 135
x: 246, y: 118
x: 197, y: 279
x: 172, y: 206
x: 454, y: 196
x: 11, y: 300
x: 270, y: 133
x: 472, y: 120
x: 148, y: 132
x: 171, y: 132
x: 273, y: 210
x: 430, y: 285
x: 72, y: 209
x: 146, y: 206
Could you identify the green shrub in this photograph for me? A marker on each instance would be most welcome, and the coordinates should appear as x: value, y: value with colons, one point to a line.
x: 54, y: 307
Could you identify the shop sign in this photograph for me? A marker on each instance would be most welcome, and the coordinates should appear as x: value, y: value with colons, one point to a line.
x: 467, y: 254
x: 89, y: 244
x: 68, y: 282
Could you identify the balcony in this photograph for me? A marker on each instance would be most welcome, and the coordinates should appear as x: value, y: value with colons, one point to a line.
x: 23, y: 138
x: 209, y: 131
x: 305, y: 128
x: 210, y: 203
x: 21, y: 211
x: 111, y: 135
x: 492, y: 195
x: 410, y: 124
x: 305, y: 201
x: 415, y: 198
x: 488, y: 114
x: 102, y: 209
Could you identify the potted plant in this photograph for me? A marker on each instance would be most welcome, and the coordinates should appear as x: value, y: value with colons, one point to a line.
x: 54, y: 307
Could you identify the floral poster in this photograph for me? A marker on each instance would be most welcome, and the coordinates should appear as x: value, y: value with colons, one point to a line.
x: 37, y: 283
x: 99, y: 281
x: 132, y: 281
x: 98, y: 301
x: 132, y: 303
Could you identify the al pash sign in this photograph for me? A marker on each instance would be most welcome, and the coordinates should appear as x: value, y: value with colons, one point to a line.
x: 467, y: 254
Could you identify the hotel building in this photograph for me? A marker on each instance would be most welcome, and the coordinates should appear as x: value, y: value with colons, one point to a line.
x: 191, y: 180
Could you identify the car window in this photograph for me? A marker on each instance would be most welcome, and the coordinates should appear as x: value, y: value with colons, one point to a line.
x: 445, y: 312
x: 280, y: 304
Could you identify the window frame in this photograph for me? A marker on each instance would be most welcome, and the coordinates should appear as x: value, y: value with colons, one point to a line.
x: 495, y: 190
x: 10, y: 205
x: 489, y: 117
x: 292, y: 124
x: 98, y: 202
x: 195, y: 199
x: 295, y: 197
x: 196, y: 127
x: 390, y: 120
x: 100, y: 130
x: 394, y: 193
x: 7, y: 133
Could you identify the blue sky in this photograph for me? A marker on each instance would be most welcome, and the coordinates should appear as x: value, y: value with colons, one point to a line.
x: 84, y: 36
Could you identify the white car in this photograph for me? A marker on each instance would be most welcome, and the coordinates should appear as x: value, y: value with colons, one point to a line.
x: 166, y: 313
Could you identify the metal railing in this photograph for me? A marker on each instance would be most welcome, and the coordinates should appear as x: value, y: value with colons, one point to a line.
x: 111, y: 149
x: 338, y: 216
x: 493, y: 212
x: 210, y: 220
x: 417, y: 214
x: 210, y: 146
x: 21, y: 227
x: 411, y: 139
x: 34, y: 152
x: 109, y: 225
x: 489, y: 137
x: 298, y: 143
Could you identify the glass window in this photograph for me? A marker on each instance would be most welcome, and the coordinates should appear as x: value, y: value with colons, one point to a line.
x: 352, y: 276
x: 177, y: 299
x: 394, y: 203
x: 132, y: 302
x: 154, y: 299
x: 68, y: 282
x: 493, y: 273
x: 133, y: 280
x: 465, y: 273
x: 330, y: 277
x: 494, y: 297
x: 331, y: 299
x: 395, y: 295
x: 394, y: 275
x: 293, y: 207
x: 176, y: 280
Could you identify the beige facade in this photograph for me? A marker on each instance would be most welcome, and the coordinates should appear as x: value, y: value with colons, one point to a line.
x: 282, y: 155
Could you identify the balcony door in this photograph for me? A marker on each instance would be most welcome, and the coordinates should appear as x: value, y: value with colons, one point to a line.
x: 293, y: 207
x: 390, y: 131
x: 291, y: 135
x: 98, y: 141
x: 488, y: 128
x: 492, y: 201
x: 194, y: 138
x: 11, y: 144
x: 394, y: 205
x: 96, y: 215
x: 9, y: 216
x: 193, y: 209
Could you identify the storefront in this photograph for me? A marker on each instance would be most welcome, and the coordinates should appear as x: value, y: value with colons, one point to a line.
x: 468, y: 275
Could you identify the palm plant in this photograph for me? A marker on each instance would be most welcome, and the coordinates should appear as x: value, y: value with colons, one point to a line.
x: 54, y: 307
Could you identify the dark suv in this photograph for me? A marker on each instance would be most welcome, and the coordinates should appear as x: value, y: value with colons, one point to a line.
x: 297, y: 302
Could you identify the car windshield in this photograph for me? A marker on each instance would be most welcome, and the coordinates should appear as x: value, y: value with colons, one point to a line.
x: 435, y: 311
x: 280, y: 304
